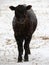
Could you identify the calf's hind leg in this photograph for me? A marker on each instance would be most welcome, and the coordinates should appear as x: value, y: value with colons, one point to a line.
x: 20, y: 50
x: 26, y: 47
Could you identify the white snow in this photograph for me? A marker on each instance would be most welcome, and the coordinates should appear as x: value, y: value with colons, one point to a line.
x: 39, y: 44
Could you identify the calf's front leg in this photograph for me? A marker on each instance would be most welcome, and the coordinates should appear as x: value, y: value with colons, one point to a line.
x: 20, y: 48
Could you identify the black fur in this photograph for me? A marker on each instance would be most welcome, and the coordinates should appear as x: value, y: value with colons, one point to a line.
x: 24, y: 25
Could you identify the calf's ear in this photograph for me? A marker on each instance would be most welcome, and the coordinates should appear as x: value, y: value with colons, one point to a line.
x: 28, y: 7
x: 12, y: 7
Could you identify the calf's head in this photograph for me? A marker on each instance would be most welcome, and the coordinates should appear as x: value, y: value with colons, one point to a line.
x: 20, y: 12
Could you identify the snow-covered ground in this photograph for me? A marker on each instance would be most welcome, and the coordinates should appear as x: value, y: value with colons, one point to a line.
x: 39, y: 44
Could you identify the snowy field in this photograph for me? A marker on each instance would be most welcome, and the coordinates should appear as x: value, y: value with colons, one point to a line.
x: 39, y: 44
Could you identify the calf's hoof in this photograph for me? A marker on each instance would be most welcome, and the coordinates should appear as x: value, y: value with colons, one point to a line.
x: 26, y: 58
x: 19, y: 59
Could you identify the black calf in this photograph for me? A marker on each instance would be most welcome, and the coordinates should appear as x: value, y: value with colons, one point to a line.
x: 24, y: 25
